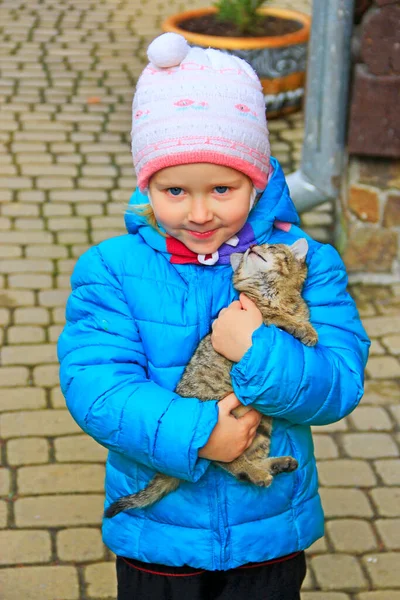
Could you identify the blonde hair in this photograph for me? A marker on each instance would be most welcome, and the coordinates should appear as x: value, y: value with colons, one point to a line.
x: 146, y: 211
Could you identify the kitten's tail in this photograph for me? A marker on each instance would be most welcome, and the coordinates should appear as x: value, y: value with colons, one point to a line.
x: 159, y: 486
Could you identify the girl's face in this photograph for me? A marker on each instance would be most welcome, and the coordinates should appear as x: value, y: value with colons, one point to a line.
x: 202, y: 205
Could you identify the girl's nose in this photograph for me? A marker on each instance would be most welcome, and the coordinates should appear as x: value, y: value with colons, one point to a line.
x: 200, y: 212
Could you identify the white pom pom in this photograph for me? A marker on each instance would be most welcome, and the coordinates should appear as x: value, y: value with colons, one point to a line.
x: 168, y: 50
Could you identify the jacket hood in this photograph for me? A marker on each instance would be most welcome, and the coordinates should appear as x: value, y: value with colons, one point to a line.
x: 273, y: 205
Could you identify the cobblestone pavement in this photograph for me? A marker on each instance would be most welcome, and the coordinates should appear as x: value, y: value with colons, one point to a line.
x: 68, y: 69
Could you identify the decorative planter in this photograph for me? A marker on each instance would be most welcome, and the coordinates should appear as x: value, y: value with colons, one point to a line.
x: 279, y: 61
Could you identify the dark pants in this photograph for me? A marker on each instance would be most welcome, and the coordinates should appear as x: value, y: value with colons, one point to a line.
x: 279, y: 580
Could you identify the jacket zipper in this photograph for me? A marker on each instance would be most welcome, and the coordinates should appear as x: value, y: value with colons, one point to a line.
x: 220, y: 515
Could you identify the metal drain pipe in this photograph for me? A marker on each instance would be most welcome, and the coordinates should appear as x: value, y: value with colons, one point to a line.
x: 328, y: 71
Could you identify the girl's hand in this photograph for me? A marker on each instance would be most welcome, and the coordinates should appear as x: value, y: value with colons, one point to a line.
x: 232, y: 331
x: 231, y: 436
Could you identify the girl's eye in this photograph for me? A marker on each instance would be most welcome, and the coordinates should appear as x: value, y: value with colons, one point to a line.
x: 221, y: 189
x: 175, y: 191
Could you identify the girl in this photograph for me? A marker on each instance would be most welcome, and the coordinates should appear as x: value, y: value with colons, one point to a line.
x: 141, y: 303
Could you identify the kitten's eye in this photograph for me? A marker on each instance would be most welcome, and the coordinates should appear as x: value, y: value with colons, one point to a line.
x: 175, y: 191
x: 221, y: 189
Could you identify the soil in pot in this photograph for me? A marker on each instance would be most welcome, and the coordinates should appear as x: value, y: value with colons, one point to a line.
x: 268, y: 26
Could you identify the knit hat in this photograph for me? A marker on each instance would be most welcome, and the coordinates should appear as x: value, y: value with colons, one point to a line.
x: 193, y: 105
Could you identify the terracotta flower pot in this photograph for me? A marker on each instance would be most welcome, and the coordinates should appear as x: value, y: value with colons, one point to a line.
x: 280, y: 61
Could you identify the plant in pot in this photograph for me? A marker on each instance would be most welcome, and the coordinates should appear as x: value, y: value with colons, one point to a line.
x: 273, y: 40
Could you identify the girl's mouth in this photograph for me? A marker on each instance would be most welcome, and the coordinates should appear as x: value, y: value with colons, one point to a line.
x: 202, y: 234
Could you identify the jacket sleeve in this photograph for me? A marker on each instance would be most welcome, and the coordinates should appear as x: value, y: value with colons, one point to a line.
x: 281, y: 377
x: 104, y: 380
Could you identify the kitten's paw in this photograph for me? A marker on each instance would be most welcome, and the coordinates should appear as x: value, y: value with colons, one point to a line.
x: 283, y: 464
x: 259, y: 477
x: 310, y: 337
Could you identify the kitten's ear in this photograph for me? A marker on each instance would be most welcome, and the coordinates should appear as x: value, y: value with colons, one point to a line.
x: 300, y: 249
x: 236, y: 259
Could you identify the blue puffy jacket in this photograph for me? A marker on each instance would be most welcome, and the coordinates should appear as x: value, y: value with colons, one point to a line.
x: 133, y: 322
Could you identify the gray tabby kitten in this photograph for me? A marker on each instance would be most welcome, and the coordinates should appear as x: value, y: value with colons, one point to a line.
x: 272, y: 275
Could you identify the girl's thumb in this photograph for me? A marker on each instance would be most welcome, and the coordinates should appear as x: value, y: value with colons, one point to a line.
x: 230, y: 402
x: 246, y: 303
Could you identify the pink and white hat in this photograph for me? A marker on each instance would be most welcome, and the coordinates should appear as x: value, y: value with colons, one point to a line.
x: 193, y: 105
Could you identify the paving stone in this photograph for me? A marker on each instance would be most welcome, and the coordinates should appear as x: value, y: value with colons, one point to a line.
x: 65, y: 478
x: 81, y: 544
x: 31, y: 316
x: 318, y: 547
x: 389, y: 306
x: 345, y: 472
x: 37, y: 422
x: 54, y: 209
x: 27, y: 451
x: 5, y: 482
x: 5, y: 223
x: 331, y: 428
x: 46, y: 375
x: 383, y: 367
x: 387, y: 501
x: 59, y: 314
x: 36, y: 159
x: 28, y: 224
x: 73, y: 237
x: 20, y: 398
x: 10, y: 252
x: 39, y: 583
x: 24, y: 266
x: 25, y: 335
x: 380, y: 326
x: 10, y: 376
x: 72, y: 223
x: 38, y: 251
x: 29, y: 355
x: 57, y: 399
x: 380, y: 595
x: 3, y: 514
x: 14, y: 298
x: 26, y: 237
x: 342, y: 502
x: 77, y: 448
x: 59, y: 511
x: 101, y: 235
x: 338, y: 572
x: 389, y: 470
x: 16, y: 183
x: 308, y: 583
x: 4, y: 316
x: 324, y: 596
x: 54, y: 297
x: 101, y: 580
x: 383, y: 569
x: 369, y: 445
x: 24, y: 547
x: 351, y: 535
x: 89, y: 210
x: 395, y: 412
x: 389, y: 530
x: 37, y: 196
x: 367, y: 418
x: 55, y: 332
x: 324, y: 447
x: 380, y: 392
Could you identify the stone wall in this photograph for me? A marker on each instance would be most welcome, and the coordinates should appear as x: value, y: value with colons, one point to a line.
x: 368, y: 223
x: 368, y: 220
